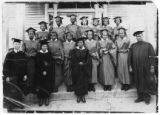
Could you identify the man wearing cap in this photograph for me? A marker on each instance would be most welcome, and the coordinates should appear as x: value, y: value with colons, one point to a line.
x: 30, y: 48
x: 84, y: 26
x: 60, y: 29
x: 96, y: 26
x: 118, y: 21
x: 105, y: 25
x: 73, y: 27
x: 142, y: 66
x: 14, y: 66
x: 43, y: 34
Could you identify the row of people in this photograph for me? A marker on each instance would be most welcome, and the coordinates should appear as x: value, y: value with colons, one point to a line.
x: 79, y: 31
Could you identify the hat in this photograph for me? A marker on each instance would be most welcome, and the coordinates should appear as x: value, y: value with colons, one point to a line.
x: 95, y: 18
x: 117, y: 17
x: 30, y: 28
x: 83, y: 17
x: 81, y: 39
x: 58, y: 17
x: 42, y: 22
x: 137, y: 33
x: 104, y: 29
x: 122, y: 28
x: 72, y: 15
x: 43, y: 42
x: 16, y: 40
x: 89, y: 30
x: 105, y: 18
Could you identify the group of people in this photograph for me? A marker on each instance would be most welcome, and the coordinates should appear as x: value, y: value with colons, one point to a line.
x: 80, y: 56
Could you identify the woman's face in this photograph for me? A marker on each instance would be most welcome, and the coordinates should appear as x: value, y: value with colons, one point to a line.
x: 95, y: 22
x: 104, y: 34
x: 122, y: 33
x: 90, y: 35
x: 80, y: 44
x: 84, y: 21
x: 16, y: 45
x: 105, y: 22
x: 69, y: 37
x: 44, y: 47
x: 117, y: 21
x: 53, y: 36
x: 139, y: 37
x: 31, y: 34
x: 43, y: 27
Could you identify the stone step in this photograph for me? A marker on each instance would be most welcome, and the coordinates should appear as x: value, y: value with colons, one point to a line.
x: 62, y: 94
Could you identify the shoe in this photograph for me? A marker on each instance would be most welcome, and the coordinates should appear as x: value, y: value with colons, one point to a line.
x: 55, y: 90
x: 78, y: 99
x: 68, y: 89
x: 40, y: 102
x: 126, y: 87
x: 105, y: 88
x: 92, y: 88
x: 122, y: 87
x: 109, y: 87
x: 89, y: 87
x: 147, y: 101
x: 47, y: 101
x: 83, y: 99
x: 138, y: 100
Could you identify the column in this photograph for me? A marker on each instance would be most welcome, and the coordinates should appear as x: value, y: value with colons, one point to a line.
x: 55, y: 6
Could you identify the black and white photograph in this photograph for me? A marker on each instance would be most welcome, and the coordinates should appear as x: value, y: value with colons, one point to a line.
x: 79, y: 56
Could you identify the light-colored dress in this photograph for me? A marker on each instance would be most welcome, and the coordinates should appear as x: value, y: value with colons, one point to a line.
x: 41, y: 35
x: 56, y: 49
x: 67, y: 47
x: 83, y: 30
x: 122, y: 67
x: 61, y: 32
x: 92, y: 46
x: 107, y: 72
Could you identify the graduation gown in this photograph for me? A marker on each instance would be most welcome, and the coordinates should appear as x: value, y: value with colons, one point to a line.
x: 41, y: 35
x: 14, y: 67
x: 140, y: 62
x: 67, y: 47
x: 106, y: 69
x: 75, y: 30
x: 44, y: 83
x: 30, y: 48
x: 83, y: 30
x: 61, y: 32
x: 81, y: 73
x: 109, y: 28
x: 92, y: 46
x: 56, y: 49
x: 122, y: 67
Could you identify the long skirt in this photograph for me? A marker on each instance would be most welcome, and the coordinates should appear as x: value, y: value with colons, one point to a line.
x: 67, y: 72
x: 123, y: 72
x: 107, y: 75
x: 58, y: 74
x: 94, y: 78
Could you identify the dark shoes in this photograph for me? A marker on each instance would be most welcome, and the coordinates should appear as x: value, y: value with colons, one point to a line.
x: 147, y: 101
x: 47, y: 101
x: 40, y: 102
x: 44, y: 101
x: 125, y: 87
x: 107, y: 87
x: 78, y: 99
x: 138, y: 100
x: 81, y: 99
x: 55, y: 89
x: 91, y: 87
x: 69, y: 89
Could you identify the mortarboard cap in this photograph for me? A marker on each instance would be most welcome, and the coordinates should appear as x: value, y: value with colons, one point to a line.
x: 30, y: 28
x: 95, y: 18
x: 105, y: 18
x: 43, y: 42
x: 16, y: 40
x: 122, y: 28
x: 84, y: 17
x: 89, y: 30
x: 58, y: 17
x: 117, y: 17
x: 137, y: 32
x: 81, y: 39
x: 72, y: 15
x: 42, y: 22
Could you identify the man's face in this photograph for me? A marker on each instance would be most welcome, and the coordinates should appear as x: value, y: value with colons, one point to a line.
x: 42, y: 27
x: 58, y: 21
x: 16, y: 45
x: 31, y: 34
x: 44, y: 47
x: 89, y: 35
x: 73, y: 19
x: 105, y: 22
x: 95, y: 22
x: 80, y: 44
x: 121, y: 33
x: 139, y: 37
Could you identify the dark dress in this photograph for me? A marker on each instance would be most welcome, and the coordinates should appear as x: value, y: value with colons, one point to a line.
x: 81, y: 73
x: 14, y: 67
x: 140, y: 62
x: 44, y: 83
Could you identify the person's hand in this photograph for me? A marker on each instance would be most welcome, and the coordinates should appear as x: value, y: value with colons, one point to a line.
x: 44, y: 73
x: 25, y: 78
x: 130, y: 69
x: 7, y: 79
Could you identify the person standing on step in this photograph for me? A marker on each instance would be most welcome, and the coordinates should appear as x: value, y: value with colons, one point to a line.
x: 30, y: 48
x: 106, y: 69
x: 122, y: 44
x: 73, y: 27
x: 68, y: 45
x: 43, y: 34
x: 81, y: 70
x: 56, y: 49
x: 92, y: 46
x: 96, y: 28
x: 44, y: 73
x: 142, y: 66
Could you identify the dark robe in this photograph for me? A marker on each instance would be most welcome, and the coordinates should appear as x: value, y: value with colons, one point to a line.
x: 44, y: 83
x: 14, y: 67
x: 81, y: 73
x: 140, y: 61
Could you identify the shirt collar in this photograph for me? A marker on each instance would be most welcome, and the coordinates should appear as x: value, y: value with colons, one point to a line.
x: 59, y: 26
x: 44, y: 52
x: 89, y: 40
x: 81, y: 48
x: 69, y: 42
x: 16, y: 51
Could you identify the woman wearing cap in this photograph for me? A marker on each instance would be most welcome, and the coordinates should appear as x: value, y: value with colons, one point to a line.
x: 68, y: 45
x: 96, y: 27
x: 44, y: 74
x: 81, y: 69
x: 31, y: 47
x: 92, y: 46
x: 107, y: 72
x: 84, y: 26
x: 43, y: 34
x: 122, y: 44
x: 56, y: 49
